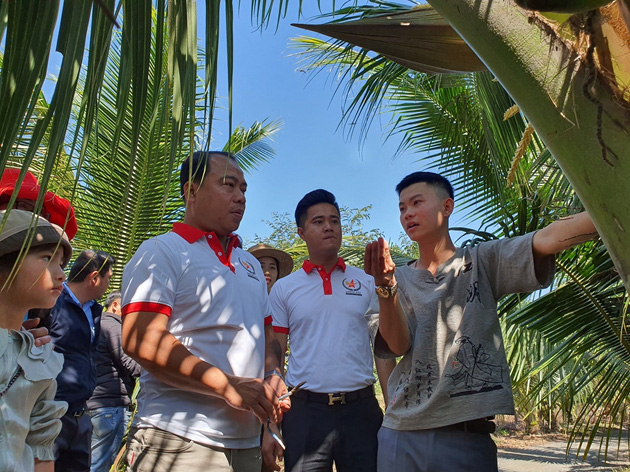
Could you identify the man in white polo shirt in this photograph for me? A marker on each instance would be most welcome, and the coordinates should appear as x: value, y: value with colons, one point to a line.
x: 196, y: 317
x: 322, y: 308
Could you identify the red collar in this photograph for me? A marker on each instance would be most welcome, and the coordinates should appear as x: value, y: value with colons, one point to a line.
x: 192, y: 234
x: 308, y: 266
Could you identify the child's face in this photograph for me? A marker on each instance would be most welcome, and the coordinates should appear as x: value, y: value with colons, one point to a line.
x: 39, y: 281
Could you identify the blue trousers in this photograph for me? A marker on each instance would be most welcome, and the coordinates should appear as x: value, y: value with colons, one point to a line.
x: 108, y: 428
x: 72, y: 446
x: 435, y: 450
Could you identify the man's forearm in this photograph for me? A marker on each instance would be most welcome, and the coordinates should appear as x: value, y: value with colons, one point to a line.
x: 172, y: 363
x: 563, y: 234
x: 274, y: 357
x: 146, y: 339
x: 392, y: 325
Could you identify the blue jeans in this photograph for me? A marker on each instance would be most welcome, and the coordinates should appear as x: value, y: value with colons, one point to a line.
x: 108, y: 428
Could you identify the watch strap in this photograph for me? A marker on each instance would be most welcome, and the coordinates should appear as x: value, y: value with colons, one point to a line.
x: 269, y: 373
x: 389, y: 290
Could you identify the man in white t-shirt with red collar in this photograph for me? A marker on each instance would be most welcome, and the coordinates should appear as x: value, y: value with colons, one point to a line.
x: 322, y: 309
x: 196, y: 318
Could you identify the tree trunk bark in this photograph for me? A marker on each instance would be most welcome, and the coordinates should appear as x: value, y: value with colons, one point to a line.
x: 574, y: 110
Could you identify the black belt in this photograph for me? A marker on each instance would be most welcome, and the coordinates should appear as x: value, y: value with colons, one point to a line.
x: 481, y: 425
x: 124, y: 407
x: 339, y: 398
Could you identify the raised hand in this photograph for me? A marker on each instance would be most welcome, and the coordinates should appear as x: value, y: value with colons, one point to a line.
x: 378, y: 263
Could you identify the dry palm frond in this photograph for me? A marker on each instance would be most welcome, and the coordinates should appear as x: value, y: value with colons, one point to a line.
x: 520, y: 152
x: 510, y: 112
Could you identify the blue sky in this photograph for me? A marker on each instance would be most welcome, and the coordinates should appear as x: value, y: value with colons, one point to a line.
x: 311, y: 152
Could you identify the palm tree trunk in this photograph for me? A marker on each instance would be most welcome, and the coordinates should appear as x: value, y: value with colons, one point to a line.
x: 582, y: 118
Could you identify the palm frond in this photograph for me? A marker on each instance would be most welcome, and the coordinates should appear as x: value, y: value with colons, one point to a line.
x: 250, y: 146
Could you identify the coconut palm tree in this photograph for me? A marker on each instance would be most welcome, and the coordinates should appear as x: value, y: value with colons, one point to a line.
x: 128, y: 189
x: 119, y: 167
x: 565, y: 80
x: 159, y: 94
x: 569, y: 74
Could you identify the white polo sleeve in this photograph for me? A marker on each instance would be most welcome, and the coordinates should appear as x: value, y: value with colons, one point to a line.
x: 150, y: 279
x: 279, y: 309
x: 268, y: 319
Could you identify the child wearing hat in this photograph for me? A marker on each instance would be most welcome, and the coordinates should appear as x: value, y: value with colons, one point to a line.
x: 33, y: 254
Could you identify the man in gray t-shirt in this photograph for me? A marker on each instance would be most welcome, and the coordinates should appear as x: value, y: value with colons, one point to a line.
x: 440, y: 314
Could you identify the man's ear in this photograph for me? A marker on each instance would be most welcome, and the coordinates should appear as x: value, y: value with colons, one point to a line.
x: 449, y: 206
x: 300, y: 233
x: 190, y: 191
x: 93, y: 277
x: 116, y: 307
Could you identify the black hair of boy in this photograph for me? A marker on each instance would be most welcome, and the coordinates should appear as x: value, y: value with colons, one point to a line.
x: 430, y: 178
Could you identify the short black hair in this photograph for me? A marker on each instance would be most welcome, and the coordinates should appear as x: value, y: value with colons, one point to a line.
x: 430, y: 178
x: 111, y: 298
x: 200, y: 166
x: 310, y: 199
x: 89, y: 261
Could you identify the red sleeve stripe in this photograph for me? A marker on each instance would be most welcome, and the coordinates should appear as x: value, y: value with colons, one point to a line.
x: 268, y: 320
x: 151, y: 307
x: 281, y: 330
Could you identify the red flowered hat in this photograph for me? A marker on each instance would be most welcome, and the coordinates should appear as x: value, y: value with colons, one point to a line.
x: 59, y: 208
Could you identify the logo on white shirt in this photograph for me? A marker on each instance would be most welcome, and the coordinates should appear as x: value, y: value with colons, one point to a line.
x: 251, y: 271
x: 352, y: 286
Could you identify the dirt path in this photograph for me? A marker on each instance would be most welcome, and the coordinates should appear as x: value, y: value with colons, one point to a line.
x: 548, y: 454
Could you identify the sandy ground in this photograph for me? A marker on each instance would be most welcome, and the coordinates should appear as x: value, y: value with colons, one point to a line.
x: 548, y: 454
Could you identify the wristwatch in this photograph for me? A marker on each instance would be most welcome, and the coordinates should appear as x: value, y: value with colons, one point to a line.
x: 385, y: 291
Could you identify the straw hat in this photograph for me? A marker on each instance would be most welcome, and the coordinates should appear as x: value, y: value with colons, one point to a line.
x: 285, y: 263
x: 59, y: 208
x: 16, y: 231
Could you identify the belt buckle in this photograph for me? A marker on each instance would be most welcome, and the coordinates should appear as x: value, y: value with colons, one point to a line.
x: 332, y: 399
x: 79, y: 413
